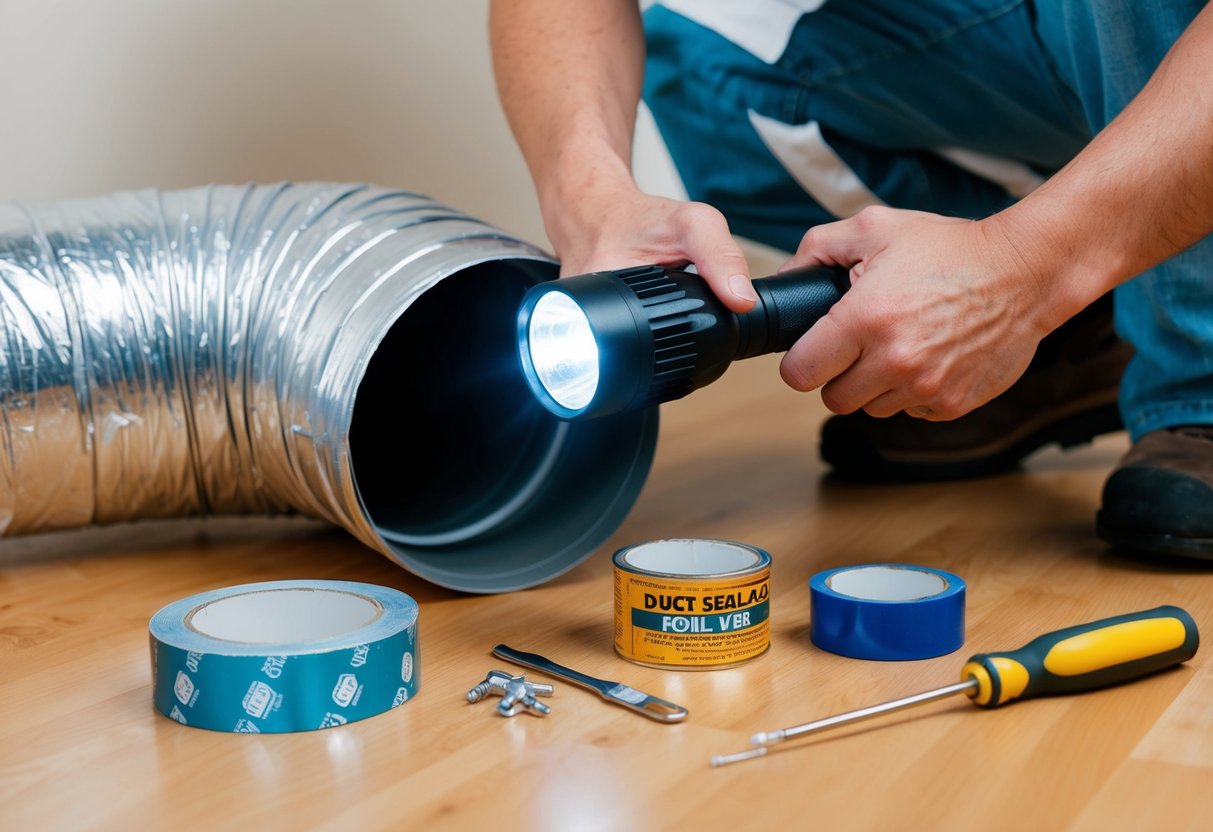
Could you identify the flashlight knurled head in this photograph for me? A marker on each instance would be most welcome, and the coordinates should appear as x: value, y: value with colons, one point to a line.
x: 680, y: 310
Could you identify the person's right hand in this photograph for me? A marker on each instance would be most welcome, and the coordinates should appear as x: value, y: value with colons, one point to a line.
x: 625, y: 227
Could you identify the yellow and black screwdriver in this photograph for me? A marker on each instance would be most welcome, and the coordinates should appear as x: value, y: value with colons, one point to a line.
x: 1076, y: 659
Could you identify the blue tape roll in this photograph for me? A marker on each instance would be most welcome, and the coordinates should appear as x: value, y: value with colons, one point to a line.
x: 284, y: 655
x: 887, y: 611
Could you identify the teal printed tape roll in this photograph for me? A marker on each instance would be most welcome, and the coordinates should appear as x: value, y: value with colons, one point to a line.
x: 887, y: 611
x: 284, y: 656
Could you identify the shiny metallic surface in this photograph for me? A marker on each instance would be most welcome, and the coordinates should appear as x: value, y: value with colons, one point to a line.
x: 201, y: 352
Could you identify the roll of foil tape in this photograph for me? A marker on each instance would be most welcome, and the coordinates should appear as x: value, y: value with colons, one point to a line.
x: 887, y: 611
x: 284, y: 656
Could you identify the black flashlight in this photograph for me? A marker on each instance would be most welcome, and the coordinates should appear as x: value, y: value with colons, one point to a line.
x: 604, y: 342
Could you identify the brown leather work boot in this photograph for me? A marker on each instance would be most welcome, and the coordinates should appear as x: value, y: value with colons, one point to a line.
x: 1159, y: 499
x: 1067, y: 395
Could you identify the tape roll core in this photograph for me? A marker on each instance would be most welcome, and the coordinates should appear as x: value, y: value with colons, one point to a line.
x: 887, y: 611
x: 284, y: 656
x: 885, y: 583
x: 283, y: 615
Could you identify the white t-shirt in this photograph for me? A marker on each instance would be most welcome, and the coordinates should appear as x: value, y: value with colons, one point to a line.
x: 760, y: 27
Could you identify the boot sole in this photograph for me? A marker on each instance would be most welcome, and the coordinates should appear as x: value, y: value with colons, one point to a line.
x: 1154, y: 543
x: 1077, y: 429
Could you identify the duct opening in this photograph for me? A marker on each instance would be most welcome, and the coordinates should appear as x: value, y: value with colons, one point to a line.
x: 446, y: 440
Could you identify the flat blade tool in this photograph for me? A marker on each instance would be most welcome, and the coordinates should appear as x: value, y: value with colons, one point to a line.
x: 614, y: 692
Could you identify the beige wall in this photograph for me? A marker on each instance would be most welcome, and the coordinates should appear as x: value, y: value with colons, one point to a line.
x: 102, y: 95
x: 105, y: 95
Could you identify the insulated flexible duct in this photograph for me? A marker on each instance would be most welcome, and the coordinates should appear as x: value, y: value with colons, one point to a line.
x: 340, y: 351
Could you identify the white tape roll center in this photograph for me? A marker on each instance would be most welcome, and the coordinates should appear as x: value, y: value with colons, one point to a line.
x: 277, y: 616
x: 887, y: 583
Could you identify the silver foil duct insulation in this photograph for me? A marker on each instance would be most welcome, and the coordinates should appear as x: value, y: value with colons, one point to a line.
x: 341, y: 351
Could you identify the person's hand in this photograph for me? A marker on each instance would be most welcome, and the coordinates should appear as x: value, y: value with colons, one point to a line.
x: 942, y: 315
x: 625, y: 227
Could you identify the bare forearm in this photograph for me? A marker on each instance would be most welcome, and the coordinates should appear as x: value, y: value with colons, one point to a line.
x: 1139, y: 193
x: 569, y: 74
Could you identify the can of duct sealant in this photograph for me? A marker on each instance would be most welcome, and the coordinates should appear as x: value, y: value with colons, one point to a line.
x: 692, y: 604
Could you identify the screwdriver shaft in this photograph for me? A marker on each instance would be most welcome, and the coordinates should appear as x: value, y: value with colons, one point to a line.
x: 765, y: 739
x: 781, y: 734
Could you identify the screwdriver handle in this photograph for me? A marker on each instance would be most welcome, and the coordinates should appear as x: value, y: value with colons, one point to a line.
x: 1085, y: 657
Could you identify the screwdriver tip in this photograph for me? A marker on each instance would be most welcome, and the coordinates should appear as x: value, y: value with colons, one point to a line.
x: 725, y: 759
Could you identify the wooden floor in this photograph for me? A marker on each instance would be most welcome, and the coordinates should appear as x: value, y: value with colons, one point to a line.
x: 80, y: 745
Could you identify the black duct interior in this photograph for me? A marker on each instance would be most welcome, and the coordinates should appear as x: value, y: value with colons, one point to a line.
x: 445, y: 431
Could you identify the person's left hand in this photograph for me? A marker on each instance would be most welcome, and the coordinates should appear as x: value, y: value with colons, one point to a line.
x: 942, y: 315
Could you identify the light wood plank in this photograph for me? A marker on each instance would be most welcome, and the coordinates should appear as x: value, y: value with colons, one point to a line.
x: 1184, y: 733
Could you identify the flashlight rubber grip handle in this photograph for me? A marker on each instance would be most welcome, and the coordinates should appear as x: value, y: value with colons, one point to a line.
x: 795, y: 300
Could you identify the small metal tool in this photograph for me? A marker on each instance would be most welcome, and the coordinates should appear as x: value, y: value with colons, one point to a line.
x: 518, y: 698
x: 517, y: 694
x: 615, y: 692
x: 497, y: 681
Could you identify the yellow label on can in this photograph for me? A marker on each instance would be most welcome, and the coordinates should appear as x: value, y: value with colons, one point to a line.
x: 692, y: 621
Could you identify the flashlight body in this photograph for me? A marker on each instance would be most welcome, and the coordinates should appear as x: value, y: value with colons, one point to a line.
x: 695, y: 337
x: 661, y: 333
x: 788, y: 305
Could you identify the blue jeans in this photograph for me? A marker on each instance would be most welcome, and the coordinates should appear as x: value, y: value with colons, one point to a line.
x: 900, y: 98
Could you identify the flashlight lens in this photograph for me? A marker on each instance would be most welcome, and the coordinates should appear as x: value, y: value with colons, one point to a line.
x: 563, y: 350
